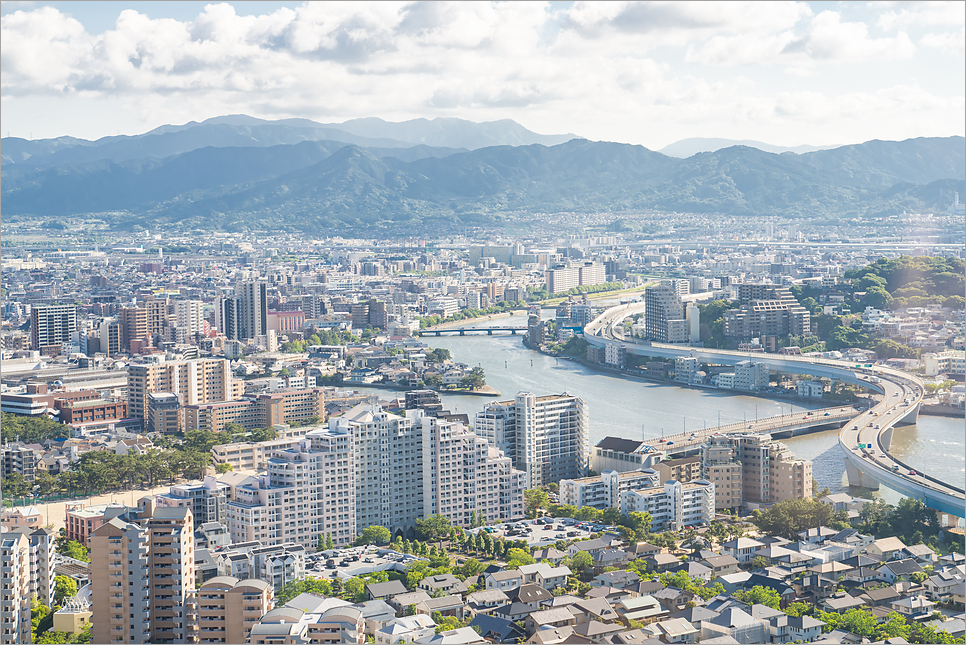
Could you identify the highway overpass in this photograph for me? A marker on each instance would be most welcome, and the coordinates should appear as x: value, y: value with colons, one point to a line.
x: 865, y: 466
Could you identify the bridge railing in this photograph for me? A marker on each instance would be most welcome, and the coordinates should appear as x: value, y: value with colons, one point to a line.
x: 743, y: 425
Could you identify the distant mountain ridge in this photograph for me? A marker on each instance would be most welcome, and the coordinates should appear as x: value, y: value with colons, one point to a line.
x: 689, y: 147
x: 245, y: 131
x: 332, y: 185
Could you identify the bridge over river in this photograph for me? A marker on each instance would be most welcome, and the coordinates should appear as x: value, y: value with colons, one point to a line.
x: 473, y: 331
x: 865, y: 437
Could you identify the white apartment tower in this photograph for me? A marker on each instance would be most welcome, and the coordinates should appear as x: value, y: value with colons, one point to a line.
x: 189, y: 315
x: 307, y: 491
x: 15, y: 590
x: 545, y: 436
x: 253, y: 310
x: 466, y: 479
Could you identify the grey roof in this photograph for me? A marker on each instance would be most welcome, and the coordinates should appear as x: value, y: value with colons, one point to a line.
x: 803, y: 622
x: 618, y: 444
x: 734, y: 617
x: 903, y: 567
x: 391, y: 588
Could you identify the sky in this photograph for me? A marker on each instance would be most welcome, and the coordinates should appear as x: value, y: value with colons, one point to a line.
x: 648, y: 73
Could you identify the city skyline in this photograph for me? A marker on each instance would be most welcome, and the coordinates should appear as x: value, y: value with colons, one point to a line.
x: 783, y: 73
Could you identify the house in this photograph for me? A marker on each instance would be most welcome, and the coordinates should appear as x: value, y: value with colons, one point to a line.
x: 721, y: 565
x: 549, y: 554
x: 816, y: 535
x: 619, y: 579
x: 885, y: 548
x: 913, y: 607
x: 804, y: 629
x: 447, y: 584
x: 879, y: 597
x: 920, y: 553
x: 446, y: 605
x: 643, y: 609
x: 611, y: 558
x: 831, y: 571
x: 596, y: 632
x: 549, y: 618
x: 733, y: 581
x: 544, y: 575
x: 661, y: 561
x: 593, y: 547
x: 513, y: 611
x: 672, y: 598
x: 852, y: 538
x: 405, y: 630
x: 497, y: 630
x: 955, y: 627
x: 610, y: 594
x: 741, y: 549
x: 645, y: 587
x: 840, y: 603
x: 674, y: 630
x: 484, y: 602
x: 376, y: 614
x: 735, y: 623
x: 693, y: 569
x: 898, y: 570
x: 461, y: 636
x: 643, y: 549
x: 532, y: 596
x: 696, y: 615
x: 557, y: 635
x: 505, y: 581
x: 593, y: 609
x: 774, y: 620
x: 383, y: 590
x: 941, y: 585
x: 402, y: 601
x: 784, y: 591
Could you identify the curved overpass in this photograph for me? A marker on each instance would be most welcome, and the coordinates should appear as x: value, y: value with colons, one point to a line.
x: 866, y: 466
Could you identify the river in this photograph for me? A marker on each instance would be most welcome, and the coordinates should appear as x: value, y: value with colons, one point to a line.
x: 633, y: 408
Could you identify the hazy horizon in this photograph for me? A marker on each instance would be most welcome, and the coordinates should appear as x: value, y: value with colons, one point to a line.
x: 782, y: 73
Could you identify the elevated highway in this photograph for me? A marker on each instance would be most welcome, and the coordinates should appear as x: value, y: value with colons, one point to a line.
x: 866, y: 466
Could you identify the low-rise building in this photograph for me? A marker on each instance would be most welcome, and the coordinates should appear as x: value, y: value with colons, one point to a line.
x: 675, y: 506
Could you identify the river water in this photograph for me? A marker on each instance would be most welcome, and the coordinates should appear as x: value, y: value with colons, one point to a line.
x: 632, y: 408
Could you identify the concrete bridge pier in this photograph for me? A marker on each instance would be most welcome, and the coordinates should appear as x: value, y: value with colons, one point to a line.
x: 911, y: 417
x: 858, y: 478
x: 886, y: 438
x: 945, y: 519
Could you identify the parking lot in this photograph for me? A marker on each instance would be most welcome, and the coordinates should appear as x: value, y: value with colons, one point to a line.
x: 544, y: 531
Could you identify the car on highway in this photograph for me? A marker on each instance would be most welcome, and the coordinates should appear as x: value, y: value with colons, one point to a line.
x: 895, y: 467
x: 828, y: 414
x: 912, y: 472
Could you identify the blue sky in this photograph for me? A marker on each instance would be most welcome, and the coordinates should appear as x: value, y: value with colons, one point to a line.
x: 647, y: 73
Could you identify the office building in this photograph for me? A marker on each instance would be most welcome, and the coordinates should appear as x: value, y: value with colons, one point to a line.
x: 15, y: 590
x: 545, y: 436
x: 141, y: 578
x: 675, y: 506
x: 228, y: 608
x: 196, y: 381
x: 605, y: 490
x: 51, y: 326
x: 306, y: 492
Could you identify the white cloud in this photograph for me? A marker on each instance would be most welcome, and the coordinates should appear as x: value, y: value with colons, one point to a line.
x: 950, y: 42
x: 921, y: 12
x: 830, y: 39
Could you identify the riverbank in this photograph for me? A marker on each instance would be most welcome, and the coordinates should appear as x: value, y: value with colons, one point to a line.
x: 942, y: 411
x: 467, y: 321
x: 486, y: 390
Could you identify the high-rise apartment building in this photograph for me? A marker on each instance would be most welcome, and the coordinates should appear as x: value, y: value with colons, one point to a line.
x: 769, y: 471
x: 227, y: 320
x: 197, y: 381
x: 664, y: 315
x: 306, y: 492
x: 189, y: 315
x: 109, y: 334
x: 466, y: 479
x: 15, y: 590
x: 133, y: 324
x: 51, y: 326
x: 720, y: 467
x: 675, y: 506
x: 766, y: 310
x: 141, y: 578
x: 253, y: 310
x: 545, y: 436
x: 40, y: 543
x: 388, y: 453
x: 564, y: 278
x: 227, y: 608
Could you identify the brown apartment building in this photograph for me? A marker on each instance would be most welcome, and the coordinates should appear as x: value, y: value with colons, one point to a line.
x: 204, y: 380
x: 227, y: 608
x: 141, y: 578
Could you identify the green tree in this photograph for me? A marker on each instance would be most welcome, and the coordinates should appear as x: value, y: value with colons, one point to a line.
x: 64, y: 588
x: 588, y: 514
x: 516, y: 558
x: 798, y: 609
x: 580, y: 562
x: 354, y: 589
x: 298, y: 587
x: 374, y: 535
x: 879, y: 298
x: 471, y: 568
x: 221, y: 469
x: 758, y: 562
x: 328, y: 542
x: 533, y: 500
x: 434, y: 527
x: 474, y: 380
x: 759, y: 595
x: 73, y: 549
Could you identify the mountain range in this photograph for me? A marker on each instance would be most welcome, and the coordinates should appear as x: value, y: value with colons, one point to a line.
x: 688, y: 147
x: 240, y: 173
